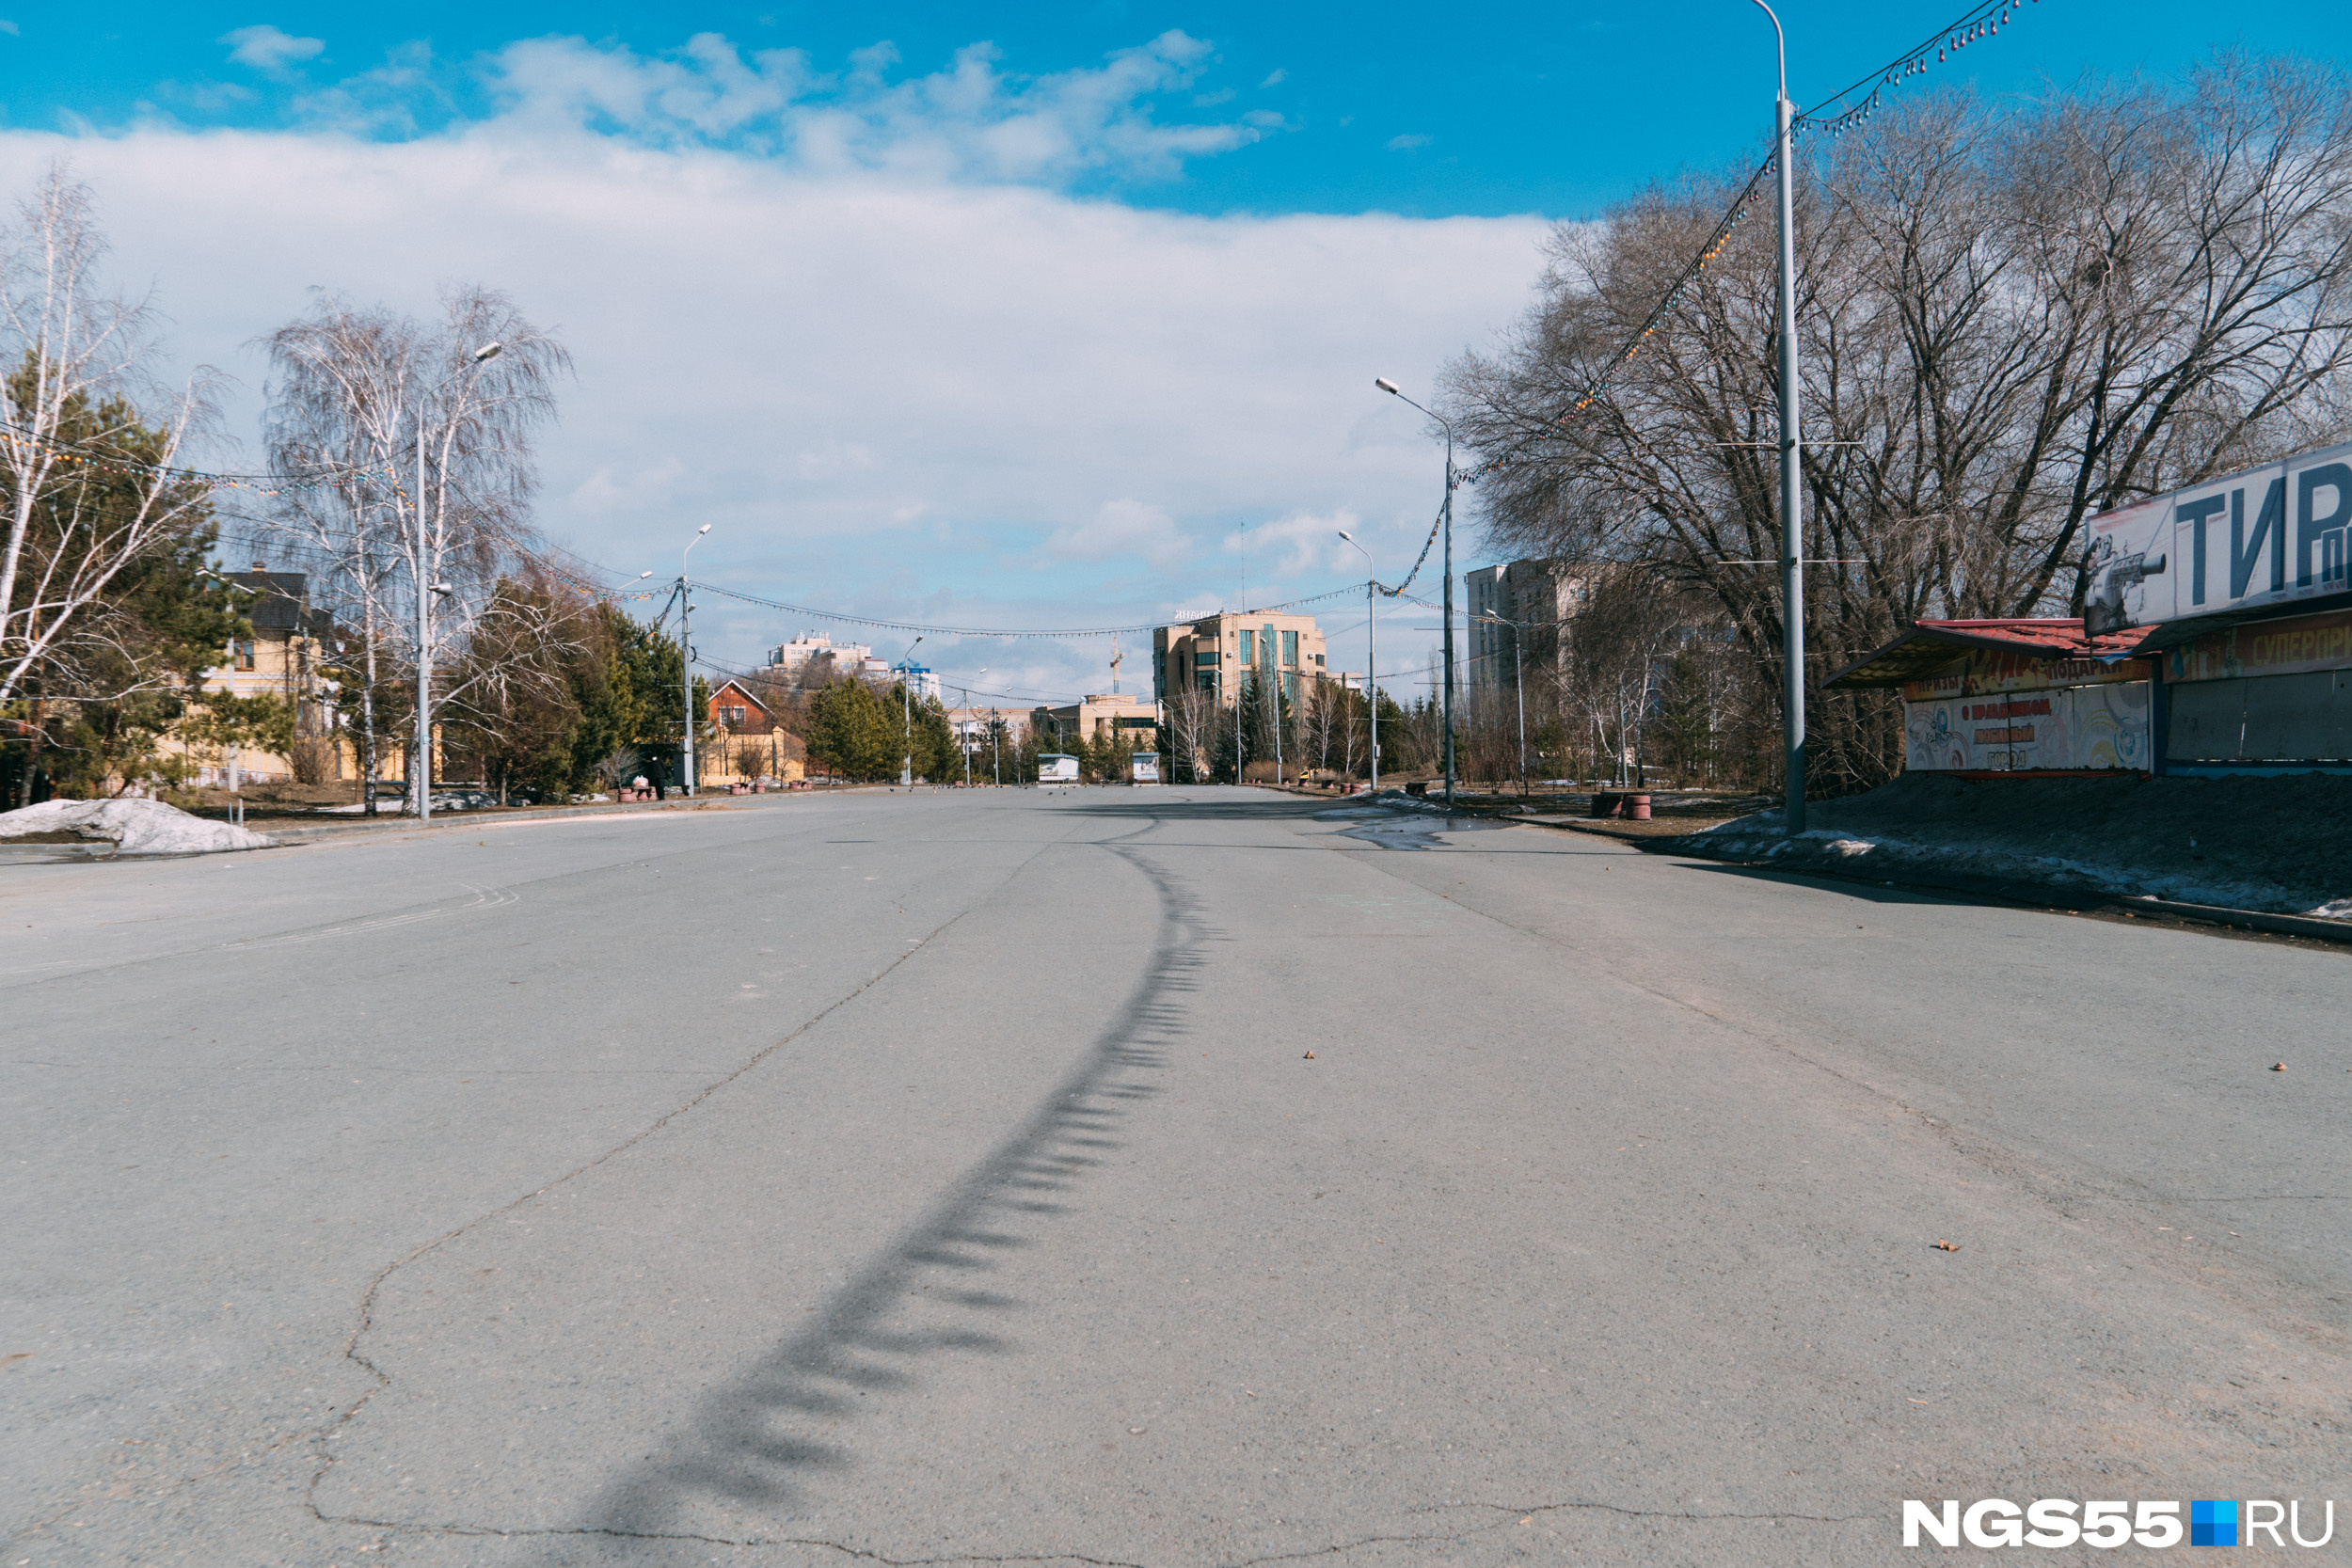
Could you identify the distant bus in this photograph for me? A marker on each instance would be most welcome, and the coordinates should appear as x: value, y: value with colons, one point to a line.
x: 1053, y: 768
x: 1147, y: 768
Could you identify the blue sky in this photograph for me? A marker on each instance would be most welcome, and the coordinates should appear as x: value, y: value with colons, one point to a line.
x: 1410, y: 110
x: 1025, y: 315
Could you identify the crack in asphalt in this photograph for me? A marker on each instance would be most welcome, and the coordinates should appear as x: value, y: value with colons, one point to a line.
x: 1020, y: 1163
x: 1508, y: 1513
x: 700, y: 1538
x: 325, y: 1434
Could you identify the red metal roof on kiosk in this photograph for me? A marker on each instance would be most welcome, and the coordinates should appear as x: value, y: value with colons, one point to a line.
x: 1931, y: 647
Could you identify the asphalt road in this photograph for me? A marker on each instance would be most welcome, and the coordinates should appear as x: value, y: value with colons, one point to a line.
x: 948, y: 1179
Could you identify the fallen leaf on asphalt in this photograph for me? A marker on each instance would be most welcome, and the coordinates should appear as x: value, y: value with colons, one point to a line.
x: 1135, y: 1431
x: 1310, y: 1056
x: 1946, y: 1247
x: 2278, y: 1067
x: 1529, y: 1520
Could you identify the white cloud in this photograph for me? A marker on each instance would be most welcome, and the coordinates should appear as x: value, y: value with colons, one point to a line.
x: 1120, y: 530
x: 1406, y: 143
x: 1274, y: 78
x: 896, y: 385
x: 265, y: 48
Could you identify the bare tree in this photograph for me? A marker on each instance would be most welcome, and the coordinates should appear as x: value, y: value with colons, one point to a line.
x: 2013, y: 320
x: 91, y: 488
x: 437, y: 421
x: 1191, y: 717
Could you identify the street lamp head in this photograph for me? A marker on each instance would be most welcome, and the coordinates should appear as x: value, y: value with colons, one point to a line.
x: 1349, y: 537
x: 643, y: 576
x: 487, y: 351
x: 704, y: 529
x: 443, y: 588
x: 1386, y: 385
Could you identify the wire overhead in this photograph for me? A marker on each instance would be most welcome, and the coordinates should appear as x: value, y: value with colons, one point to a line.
x: 1980, y: 22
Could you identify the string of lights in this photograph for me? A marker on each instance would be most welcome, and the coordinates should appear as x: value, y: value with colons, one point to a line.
x: 1979, y: 23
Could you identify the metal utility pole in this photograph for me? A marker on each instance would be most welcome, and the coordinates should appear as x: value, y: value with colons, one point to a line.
x: 420, y: 776
x: 424, y: 777
x: 1791, y: 499
x: 906, y: 712
x: 1447, y: 523
x: 686, y: 653
x: 1372, y: 660
x: 1518, y: 678
x: 963, y: 739
x: 1267, y: 655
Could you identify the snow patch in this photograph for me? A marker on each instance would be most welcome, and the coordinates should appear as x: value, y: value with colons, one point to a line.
x: 137, y: 826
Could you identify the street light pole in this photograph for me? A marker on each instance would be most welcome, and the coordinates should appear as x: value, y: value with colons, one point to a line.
x: 1391, y: 387
x: 906, y: 713
x: 964, y: 740
x: 1518, y: 679
x: 1372, y: 660
x: 686, y: 652
x: 1792, y: 520
x: 425, y: 592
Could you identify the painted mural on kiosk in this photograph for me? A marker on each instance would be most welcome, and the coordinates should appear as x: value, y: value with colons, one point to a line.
x: 2060, y: 729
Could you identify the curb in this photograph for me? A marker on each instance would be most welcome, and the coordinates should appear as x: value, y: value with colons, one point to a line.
x: 2073, y: 900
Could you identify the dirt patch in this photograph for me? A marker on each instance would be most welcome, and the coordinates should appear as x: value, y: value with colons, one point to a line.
x: 2283, y: 845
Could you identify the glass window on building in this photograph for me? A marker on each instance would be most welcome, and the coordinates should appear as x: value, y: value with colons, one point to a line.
x: 1266, y: 646
x: 1204, y: 662
x: 244, y: 648
x: 1248, y: 646
x: 1290, y: 649
x: 1290, y: 688
x: 1206, y: 680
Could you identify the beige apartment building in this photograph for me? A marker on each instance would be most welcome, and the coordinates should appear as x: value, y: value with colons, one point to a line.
x: 1216, y: 654
x: 1519, y: 617
x: 285, y: 658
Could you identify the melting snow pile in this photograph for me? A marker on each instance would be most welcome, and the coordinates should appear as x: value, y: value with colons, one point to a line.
x: 137, y: 826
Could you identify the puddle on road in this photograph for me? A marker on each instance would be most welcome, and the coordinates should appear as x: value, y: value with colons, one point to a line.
x: 1393, y: 829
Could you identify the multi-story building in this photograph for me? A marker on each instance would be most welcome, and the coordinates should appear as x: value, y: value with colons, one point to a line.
x: 848, y: 658
x: 1110, y: 712
x: 1217, y: 653
x: 921, y: 679
x: 285, y: 658
x: 1519, y: 617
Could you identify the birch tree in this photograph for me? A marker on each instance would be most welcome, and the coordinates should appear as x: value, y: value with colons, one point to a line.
x: 90, y: 485
x: 420, y: 435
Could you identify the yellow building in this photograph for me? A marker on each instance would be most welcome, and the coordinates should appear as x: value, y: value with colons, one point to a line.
x: 1136, y: 719
x: 285, y: 657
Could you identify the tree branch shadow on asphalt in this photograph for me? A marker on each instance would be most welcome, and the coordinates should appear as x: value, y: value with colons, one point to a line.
x: 757, y: 1441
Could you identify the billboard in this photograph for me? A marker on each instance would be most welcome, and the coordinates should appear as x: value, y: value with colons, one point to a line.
x: 2270, y: 535
x: 1147, y: 768
x: 1053, y: 768
x: 2066, y: 729
x: 2298, y: 645
x: 1986, y: 671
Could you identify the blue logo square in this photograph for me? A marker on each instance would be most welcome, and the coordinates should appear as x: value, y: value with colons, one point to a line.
x: 2212, y: 1523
